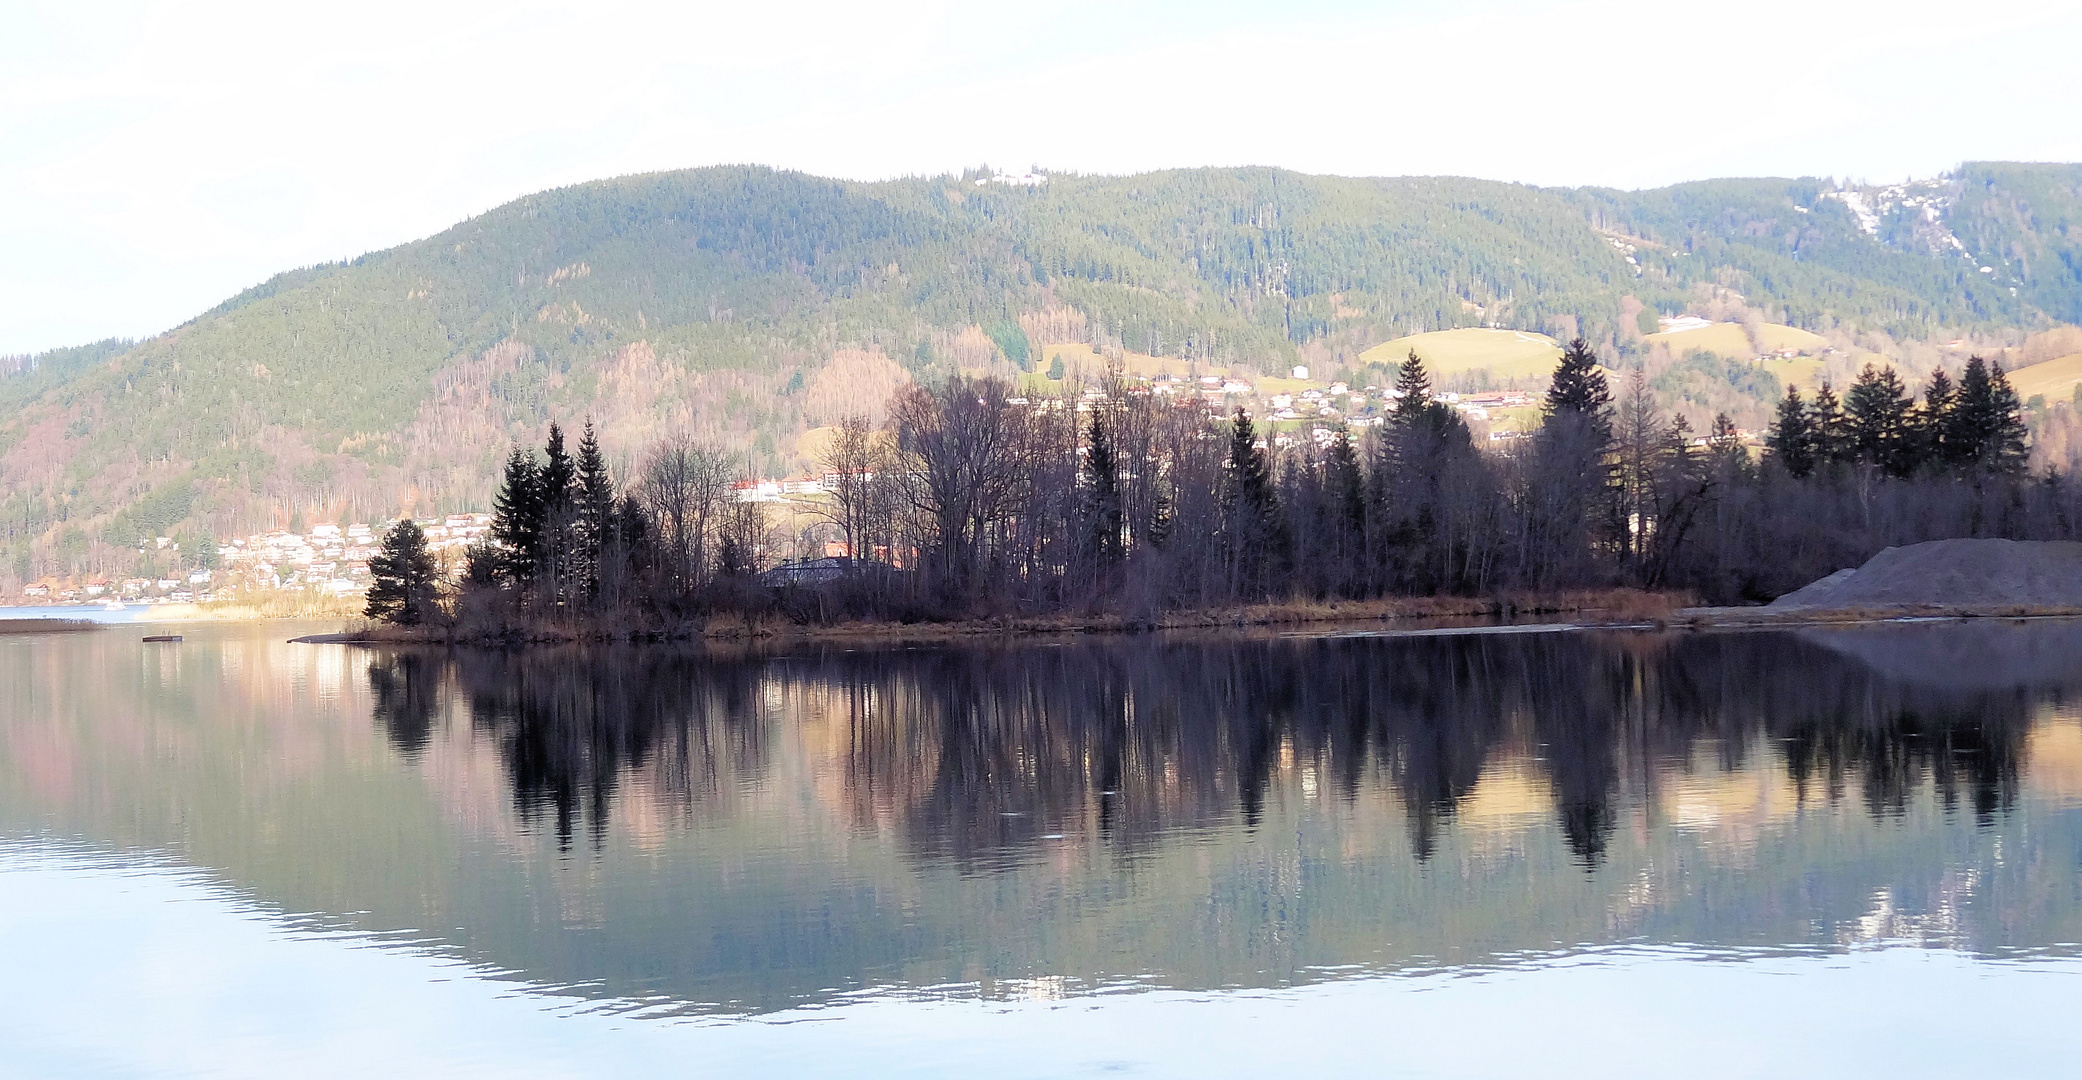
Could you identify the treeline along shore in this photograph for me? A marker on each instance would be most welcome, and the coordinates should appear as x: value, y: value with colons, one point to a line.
x: 1112, y: 506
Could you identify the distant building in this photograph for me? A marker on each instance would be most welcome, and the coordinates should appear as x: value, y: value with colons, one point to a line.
x: 1025, y: 179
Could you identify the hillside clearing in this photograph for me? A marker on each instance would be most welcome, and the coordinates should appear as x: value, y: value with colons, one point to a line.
x: 1509, y: 354
x: 1803, y: 372
x: 1776, y: 337
x: 2054, y: 379
x: 1732, y: 341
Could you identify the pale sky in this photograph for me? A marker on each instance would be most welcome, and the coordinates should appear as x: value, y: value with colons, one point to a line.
x: 156, y: 158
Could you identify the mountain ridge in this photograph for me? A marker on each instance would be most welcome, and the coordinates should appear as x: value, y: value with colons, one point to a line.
x: 740, y: 302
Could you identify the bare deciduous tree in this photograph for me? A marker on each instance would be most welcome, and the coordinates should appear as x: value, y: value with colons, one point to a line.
x: 683, y: 485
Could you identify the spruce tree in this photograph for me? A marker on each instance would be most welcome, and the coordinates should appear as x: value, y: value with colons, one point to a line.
x: 558, y: 472
x: 1413, y: 385
x: 1792, y: 440
x: 1253, y: 533
x: 2008, y: 450
x: 402, y: 589
x: 1579, y: 389
x: 1827, y: 429
x: 1986, y: 432
x: 1933, y: 420
x: 596, y: 510
x: 1578, y: 503
x: 517, y: 517
x: 1418, y: 428
x: 1347, y: 487
x: 557, y: 524
x: 1249, y: 481
x: 1876, y: 421
x: 1102, y: 491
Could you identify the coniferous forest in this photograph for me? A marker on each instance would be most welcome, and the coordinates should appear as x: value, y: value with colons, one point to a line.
x: 973, y: 502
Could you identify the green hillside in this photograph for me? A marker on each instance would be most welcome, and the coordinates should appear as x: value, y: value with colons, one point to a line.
x: 745, y: 305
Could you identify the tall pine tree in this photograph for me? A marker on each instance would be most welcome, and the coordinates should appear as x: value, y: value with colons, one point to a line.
x: 559, y: 525
x: 596, y: 511
x: 1579, y: 391
x: 1575, y: 500
x: 1933, y: 420
x: 517, y: 518
x: 1252, y: 529
x: 1986, y: 429
x: 1827, y: 428
x: 1792, y: 441
x: 1102, y: 498
x: 1876, y: 416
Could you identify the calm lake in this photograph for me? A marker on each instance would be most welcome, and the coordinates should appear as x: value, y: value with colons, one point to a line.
x: 1850, y: 851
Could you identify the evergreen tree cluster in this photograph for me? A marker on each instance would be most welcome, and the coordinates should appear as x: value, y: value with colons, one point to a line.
x: 1975, y: 427
x: 560, y: 530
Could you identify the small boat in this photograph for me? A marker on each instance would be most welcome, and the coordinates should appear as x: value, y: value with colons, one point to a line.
x: 112, y: 605
x: 164, y: 637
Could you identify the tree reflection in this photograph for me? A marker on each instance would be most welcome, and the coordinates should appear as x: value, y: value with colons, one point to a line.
x: 575, y: 727
x: 980, y: 752
x: 407, y: 692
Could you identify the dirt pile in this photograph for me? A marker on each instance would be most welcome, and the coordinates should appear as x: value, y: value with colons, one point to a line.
x: 1993, y: 576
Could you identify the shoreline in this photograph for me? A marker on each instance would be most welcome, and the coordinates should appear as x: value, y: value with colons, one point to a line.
x: 1622, y: 605
x: 1622, y: 609
x: 1393, y: 618
x: 1764, y: 618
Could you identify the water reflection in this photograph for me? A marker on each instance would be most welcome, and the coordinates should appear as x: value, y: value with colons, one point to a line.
x: 973, y: 751
x: 759, y: 829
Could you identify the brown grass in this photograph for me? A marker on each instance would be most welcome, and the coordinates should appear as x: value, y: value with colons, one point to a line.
x: 46, y: 626
x: 264, y: 605
x: 1605, y: 607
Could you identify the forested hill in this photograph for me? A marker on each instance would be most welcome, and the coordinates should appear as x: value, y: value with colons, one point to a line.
x: 746, y: 304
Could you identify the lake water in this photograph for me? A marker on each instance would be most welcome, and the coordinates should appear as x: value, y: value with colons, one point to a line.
x: 1825, y: 852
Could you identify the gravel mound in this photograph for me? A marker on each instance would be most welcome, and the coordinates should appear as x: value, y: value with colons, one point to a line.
x: 2006, y: 575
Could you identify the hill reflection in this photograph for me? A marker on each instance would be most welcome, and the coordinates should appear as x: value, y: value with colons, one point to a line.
x: 977, y: 753
x: 758, y: 829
